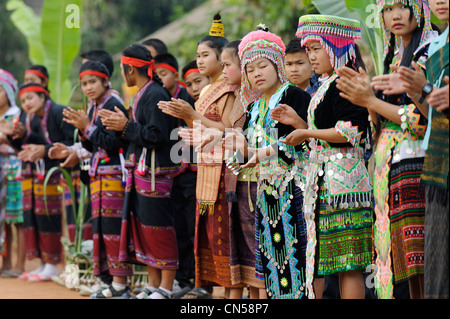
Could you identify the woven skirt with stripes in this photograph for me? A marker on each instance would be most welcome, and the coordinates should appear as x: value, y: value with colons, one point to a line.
x: 407, y: 218
x: 13, y: 199
x: 107, y: 196
x: 344, y: 236
x: 148, y: 233
x: 212, y: 243
x: 436, y: 277
x: 42, y: 217
x: 242, y: 235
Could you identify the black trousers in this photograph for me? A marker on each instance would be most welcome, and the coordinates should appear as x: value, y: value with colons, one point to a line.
x: 184, y: 205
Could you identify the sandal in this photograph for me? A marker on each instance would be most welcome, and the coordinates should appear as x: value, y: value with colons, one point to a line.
x: 11, y: 274
x: 180, y: 294
x: 143, y: 294
x: 197, y: 293
x: 162, y: 293
x: 38, y: 278
x: 111, y: 293
x: 24, y: 276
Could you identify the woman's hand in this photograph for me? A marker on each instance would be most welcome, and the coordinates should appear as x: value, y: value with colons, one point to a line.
x: 6, y: 127
x: 355, y: 87
x: 202, y: 138
x: 115, y: 121
x: 77, y: 118
x: 72, y: 159
x: 58, y: 151
x: 189, y: 137
x: 287, y: 115
x: 439, y: 97
x: 32, y: 153
x: 402, y: 80
x: 297, y: 137
x: 389, y: 84
x: 178, y: 108
x: 259, y: 155
x: 235, y: 141
x: 210, y: 137
x: 19, y: 131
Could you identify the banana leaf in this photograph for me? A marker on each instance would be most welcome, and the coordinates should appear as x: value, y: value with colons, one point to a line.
x: 29, y: 24
x: 52, y: 40
x: 61, y: 45
x: 371, y: 31
x: 364, y: 11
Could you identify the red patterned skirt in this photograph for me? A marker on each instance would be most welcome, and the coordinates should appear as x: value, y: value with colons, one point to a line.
x: 212, y: 244
x: 107, y: 195
x: 407, y: 218
x: 148, y: 233
x: 42, y: 224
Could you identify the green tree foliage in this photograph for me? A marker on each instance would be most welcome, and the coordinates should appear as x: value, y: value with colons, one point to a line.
x: 239, y: 18
x: 52, y: 40
x: 13, y: 53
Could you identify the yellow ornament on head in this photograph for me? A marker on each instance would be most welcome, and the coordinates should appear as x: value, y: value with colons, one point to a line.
x: 217, y: 28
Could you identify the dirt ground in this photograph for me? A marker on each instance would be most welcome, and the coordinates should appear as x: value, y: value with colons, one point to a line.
x: 13, y: 288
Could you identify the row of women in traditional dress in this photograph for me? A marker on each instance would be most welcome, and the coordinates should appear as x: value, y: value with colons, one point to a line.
x: 341, y: 175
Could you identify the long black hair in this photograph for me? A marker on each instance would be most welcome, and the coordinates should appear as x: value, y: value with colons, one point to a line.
x: 139, y: 51
x: 408, y: 57
x: 408, y: 54
x: 358, y: 62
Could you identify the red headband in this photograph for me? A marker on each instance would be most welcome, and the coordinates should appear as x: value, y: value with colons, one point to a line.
x: 167, y: 67
x: 38, y: 73
x: 190, y: 72
x: 138, y: 63
x: 96, y: 73
x: 34, y: 89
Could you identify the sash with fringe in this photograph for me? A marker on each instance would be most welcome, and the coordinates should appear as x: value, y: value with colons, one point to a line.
x: 211, y: 105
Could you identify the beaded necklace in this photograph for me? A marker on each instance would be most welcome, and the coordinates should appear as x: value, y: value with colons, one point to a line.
x: 261, y: 126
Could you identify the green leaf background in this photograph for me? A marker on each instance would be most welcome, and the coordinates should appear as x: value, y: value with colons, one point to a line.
x: 28, y: 24
x: 50, y: 41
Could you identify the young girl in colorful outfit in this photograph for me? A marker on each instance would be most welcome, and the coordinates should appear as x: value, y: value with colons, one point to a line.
x: 11, y: 211
x: 436, y: 165
x: 42, y: 126
x: 337, y: 193
x: 435, y: 168
x: 240, y: 188
x: 106, y: 176
x: 212, y: 111
x: 148, y: 236
x: 399, y: 131
x: 280, y: 226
